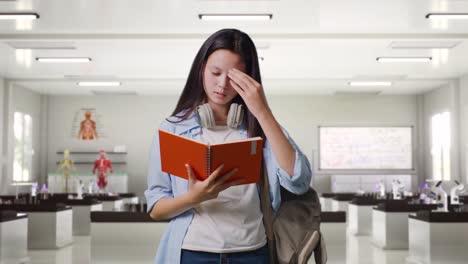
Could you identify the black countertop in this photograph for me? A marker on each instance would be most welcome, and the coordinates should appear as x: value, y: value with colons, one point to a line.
x: 51, y: 207
x: 333, y: 217
x: 127, y: 195
x: 344, y: 196
x: 331, y: 195
x: 102, y: 197
x: 62, y: 195
x: 441, y: 217
x: 76, y: 202
x: 8, y: 197
x: 396, y: 206
x: 122, y: 217
x: 365, y: 201
x: 82, y: 202
x: 8, y: 215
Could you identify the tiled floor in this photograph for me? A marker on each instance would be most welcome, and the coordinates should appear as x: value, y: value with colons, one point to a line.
x: 358, y: 250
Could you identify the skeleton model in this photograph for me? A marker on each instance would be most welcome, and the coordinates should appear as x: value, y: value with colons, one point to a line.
x: 65, y: 167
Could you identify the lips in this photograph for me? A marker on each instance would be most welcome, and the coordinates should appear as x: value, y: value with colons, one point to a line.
x: 219, y: 95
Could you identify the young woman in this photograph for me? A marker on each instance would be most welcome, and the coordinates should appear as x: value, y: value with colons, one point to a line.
x: 213, y: 221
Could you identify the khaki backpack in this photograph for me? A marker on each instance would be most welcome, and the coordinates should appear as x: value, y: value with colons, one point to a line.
x: 294, y: 232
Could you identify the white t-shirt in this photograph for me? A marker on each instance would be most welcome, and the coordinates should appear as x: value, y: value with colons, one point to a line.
x: 233, y: 222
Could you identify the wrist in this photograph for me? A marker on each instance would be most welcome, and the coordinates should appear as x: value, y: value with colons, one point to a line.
x: 264, y: 116
x: 191, y: 199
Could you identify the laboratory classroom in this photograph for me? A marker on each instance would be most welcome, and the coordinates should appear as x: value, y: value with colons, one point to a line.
x: 374, y: 93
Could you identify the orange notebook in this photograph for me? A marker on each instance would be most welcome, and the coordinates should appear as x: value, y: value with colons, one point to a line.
x: 176, y: 151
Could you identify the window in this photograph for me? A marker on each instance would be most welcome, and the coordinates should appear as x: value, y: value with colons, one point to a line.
x: 440, y: 147
x: 22, y: 163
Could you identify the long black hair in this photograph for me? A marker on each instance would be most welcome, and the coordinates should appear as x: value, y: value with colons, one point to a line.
x: 194, y: 95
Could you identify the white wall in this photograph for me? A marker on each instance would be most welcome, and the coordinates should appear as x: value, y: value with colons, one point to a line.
x: 127, y: 120
x: 302, y: 114
x: 463, y: 128
x: 2, y: 127
x: 29, y: 102
x: 299, y: 114
x: 445, y: 98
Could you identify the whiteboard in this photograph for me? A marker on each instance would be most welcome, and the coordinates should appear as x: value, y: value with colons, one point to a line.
x: 375, y: 148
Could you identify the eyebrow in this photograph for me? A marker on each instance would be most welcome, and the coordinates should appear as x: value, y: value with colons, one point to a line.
x: 215, y: 68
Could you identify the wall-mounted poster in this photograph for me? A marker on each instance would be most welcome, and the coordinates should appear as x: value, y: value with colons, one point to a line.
x: 87, y: 125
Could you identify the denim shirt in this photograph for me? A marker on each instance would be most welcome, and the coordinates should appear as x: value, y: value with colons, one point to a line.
x: 161, y: 184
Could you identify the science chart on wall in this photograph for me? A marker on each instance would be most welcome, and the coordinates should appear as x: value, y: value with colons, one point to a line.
x: 87, y: 125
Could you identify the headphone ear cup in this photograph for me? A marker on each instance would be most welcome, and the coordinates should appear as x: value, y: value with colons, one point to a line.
x: 240, y: 115
x: 235, y: 115
x: 232, y: 115
x: 206, y: 116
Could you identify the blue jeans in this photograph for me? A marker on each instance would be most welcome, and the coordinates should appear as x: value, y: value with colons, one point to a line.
x: 258, y: 256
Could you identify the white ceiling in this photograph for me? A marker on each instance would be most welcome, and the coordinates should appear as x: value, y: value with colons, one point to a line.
x: 314, y: 46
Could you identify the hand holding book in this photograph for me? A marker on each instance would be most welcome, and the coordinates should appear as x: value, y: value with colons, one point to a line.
x: 210, y: 188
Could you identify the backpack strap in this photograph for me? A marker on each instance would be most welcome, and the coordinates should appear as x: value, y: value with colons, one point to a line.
x: 320, y: 252
x: 265, y: 202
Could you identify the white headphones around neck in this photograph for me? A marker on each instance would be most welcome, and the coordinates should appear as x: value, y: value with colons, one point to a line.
x: 207, y: 120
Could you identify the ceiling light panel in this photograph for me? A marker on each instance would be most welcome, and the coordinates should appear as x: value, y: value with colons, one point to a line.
x: 369, y: 83
x: 424, y: 44
x: 63, y: 60
x: 239, y: 17
x: 395, y: 77
x: 404, y: 59
x: 18, y: 16
x: 110, y: 92
x: 461, y: 16
x: 90, y: 77
x: 357, y: 92
x: 98, y: 83
x: 42, y: 45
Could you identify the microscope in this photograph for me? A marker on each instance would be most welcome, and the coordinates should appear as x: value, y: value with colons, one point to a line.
x: 381, y: 188
x: 424, y: 191
x: 397, y: 189
x: 443, y: 196
x: 455, y: 191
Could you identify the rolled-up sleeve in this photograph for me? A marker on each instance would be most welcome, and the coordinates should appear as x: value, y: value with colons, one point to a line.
x: 299, y: 182
x: 159, y: 183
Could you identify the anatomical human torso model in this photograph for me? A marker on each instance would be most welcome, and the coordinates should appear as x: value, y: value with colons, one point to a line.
x: 101, y: 165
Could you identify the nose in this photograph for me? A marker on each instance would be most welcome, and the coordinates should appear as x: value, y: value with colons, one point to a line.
x: 223, y: 81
